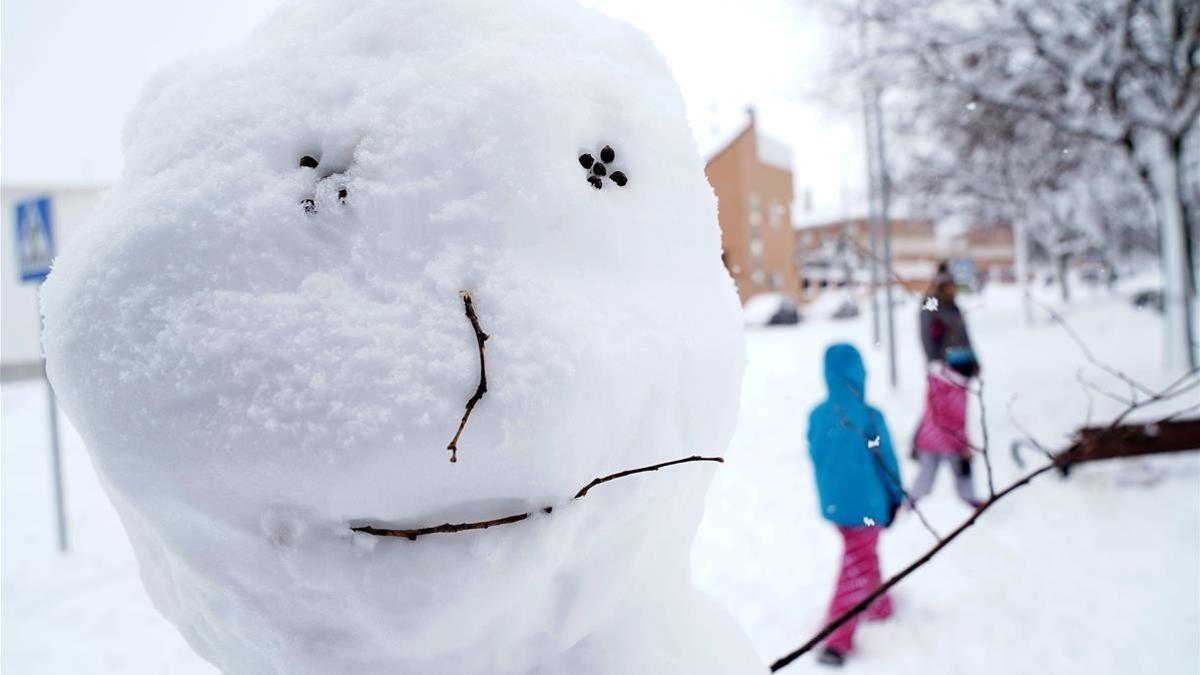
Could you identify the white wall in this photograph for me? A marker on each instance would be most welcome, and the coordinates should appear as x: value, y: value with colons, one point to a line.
x: 19, y: 318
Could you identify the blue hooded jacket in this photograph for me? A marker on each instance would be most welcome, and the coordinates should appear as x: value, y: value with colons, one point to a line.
x: 857, y: 475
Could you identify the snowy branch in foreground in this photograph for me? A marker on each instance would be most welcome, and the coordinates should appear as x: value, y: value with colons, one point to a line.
x: 480, y: 338
x: 447, y: 528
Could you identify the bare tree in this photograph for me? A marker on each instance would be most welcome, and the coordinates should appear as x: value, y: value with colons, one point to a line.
x: 1119, y: 75
x: 1063, y: 196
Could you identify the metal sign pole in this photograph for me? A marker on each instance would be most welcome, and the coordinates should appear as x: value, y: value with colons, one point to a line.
x: 56, y: 477
x: 35, y: 251
x: 60, y: 510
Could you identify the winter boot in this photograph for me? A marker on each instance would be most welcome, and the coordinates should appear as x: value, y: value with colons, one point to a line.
x: 831, y: 657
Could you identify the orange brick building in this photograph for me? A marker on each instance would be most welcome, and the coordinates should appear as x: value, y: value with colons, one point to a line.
x: 752, y: 176
x: 764, y: 251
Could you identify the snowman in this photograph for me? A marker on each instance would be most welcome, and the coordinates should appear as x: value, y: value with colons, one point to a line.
x: 377, y: 236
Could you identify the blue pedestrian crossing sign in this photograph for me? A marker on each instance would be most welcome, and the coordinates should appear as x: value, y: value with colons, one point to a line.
x: 35, y: 238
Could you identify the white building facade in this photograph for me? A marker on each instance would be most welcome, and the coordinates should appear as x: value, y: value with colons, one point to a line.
x: 20, y: 318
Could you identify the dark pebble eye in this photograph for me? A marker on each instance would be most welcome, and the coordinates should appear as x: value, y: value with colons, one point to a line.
x: 599, y: 169
x: 586, y: 160
x: 607, y: 154
x: 342, y: 192
x: 309, y: 205
x: 596, y: 182
x: 308, y: 162
x: 619, y: 178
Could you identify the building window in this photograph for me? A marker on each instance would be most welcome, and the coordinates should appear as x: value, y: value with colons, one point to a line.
x: 777, y: 213
x: 776, y: 281
x: 757, y: 276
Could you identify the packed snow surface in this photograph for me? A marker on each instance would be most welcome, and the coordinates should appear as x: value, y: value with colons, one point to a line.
x: 260, y: 339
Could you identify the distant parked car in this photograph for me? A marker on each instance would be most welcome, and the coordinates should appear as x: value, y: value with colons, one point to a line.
x: 1150, y: 298
x: 847, y: 310
x: 771, y: 309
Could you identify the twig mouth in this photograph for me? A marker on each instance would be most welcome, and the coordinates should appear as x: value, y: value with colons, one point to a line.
x: 465, y: 511
x: 447, y: 528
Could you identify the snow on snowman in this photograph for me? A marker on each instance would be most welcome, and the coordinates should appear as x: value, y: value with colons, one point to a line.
x: 264, y: 338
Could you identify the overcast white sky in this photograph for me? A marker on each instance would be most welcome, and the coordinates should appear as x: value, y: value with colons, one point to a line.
x: 72, y: 69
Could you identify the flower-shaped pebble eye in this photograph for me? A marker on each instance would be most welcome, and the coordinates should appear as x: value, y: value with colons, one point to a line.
x: 599, y: 169
x: 309, y: 204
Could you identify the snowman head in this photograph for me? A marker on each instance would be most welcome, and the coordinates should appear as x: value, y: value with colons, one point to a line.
x: 261, y: 336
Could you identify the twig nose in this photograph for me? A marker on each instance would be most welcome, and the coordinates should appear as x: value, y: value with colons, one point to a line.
x: 480, y: 338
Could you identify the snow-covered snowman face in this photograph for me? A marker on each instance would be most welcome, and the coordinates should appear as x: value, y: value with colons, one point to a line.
x: 262, y: 340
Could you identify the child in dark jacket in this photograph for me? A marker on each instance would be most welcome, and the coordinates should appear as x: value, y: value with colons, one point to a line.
x: 858, y: 480
x: 942, y: 434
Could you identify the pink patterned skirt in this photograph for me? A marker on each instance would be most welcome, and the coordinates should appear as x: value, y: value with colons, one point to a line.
x: 943, y: 429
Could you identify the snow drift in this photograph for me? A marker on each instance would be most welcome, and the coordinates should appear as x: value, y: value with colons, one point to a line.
x: 261, y: 353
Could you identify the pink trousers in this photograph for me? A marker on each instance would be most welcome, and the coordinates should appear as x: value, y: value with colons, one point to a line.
x: 858, y: 578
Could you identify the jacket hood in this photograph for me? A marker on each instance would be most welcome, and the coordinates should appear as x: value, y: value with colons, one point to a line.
x: 845, y: 373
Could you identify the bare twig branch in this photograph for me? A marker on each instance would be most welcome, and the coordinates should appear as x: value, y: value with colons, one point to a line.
x: 1182, y: 385
x: 983, y: 450
x: 1093, y: 387
x: 447, y: 528
x: 1176, y: 388
x: 1087, y: 352
x: 480, y: 338
x: 1090, y: 409
x: 1182, y: 413
x: 1028, y: 437
x: 653, y: 467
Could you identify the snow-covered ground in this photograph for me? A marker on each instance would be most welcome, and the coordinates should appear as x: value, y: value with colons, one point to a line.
x: 1098, y: 574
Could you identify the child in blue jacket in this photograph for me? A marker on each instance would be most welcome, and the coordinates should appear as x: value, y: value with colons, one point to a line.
x: 858, y: 480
